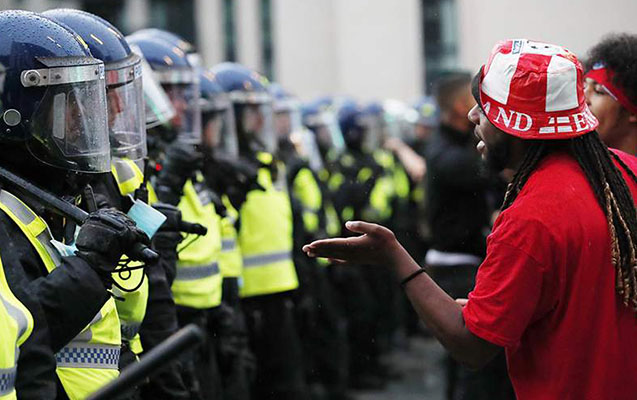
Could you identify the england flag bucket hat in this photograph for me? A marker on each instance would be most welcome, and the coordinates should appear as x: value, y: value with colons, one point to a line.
x: 534, y: 90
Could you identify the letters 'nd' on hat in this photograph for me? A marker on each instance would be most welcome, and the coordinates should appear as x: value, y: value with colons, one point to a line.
x: 534, y: 90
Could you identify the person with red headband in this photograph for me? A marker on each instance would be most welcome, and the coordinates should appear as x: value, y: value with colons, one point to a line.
x: 558, y: 287
x: 611, y: 90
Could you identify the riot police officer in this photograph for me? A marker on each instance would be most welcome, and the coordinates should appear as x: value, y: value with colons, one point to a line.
x: 54, y: 135
x: 265, y: 239
x: 197, y: 287
x: 320, y: 324
x: 143, y: 302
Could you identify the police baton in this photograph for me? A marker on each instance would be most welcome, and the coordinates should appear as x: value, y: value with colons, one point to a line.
x: 68, y: 210
x: 151, y: 363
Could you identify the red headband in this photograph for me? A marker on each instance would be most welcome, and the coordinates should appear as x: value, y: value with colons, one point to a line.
x: 604, y: 76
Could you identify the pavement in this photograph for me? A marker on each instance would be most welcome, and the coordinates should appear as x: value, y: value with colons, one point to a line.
x: 421, y: 363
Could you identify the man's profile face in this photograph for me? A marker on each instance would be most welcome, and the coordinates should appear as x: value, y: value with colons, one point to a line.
x: 611, y: 115
x: 494, y: 145
x: 283, y: 123
x: 212, y: 131
x: 252, y: 118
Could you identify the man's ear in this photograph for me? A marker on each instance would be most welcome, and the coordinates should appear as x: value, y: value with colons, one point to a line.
x: 632, y: 118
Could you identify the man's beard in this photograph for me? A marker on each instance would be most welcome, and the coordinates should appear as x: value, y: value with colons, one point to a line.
x: 497, y: 156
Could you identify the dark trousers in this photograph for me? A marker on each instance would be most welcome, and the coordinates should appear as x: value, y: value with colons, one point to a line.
x: 276, y: 344
x: 323, y: 334
x: 201, y: 373
x: 228, y: 330
x: 490, y: 382
x: 355, y: 298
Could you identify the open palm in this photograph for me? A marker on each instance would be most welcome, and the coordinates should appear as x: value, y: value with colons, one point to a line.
x: 375, y: 245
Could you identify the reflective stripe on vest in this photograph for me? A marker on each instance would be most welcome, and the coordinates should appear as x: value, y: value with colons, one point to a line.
x: 17, y: 314
x: 197, y: 272
x: 104, y: 329
x: 198, y: 281
x: 267, y: 258
x: 34, y: 225
x: 228, y: 244
x: 265, y: 239
x: 88, y: 356
x: 127, y: 174
x: 16, y: 324
x: 7, y: 380
x: 230, y: 260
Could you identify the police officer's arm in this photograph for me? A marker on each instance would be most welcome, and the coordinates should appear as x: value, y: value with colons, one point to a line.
x: 70, y: 296
x: 440, y: 312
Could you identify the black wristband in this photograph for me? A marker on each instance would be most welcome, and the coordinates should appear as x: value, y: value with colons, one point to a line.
x: 410, y: 277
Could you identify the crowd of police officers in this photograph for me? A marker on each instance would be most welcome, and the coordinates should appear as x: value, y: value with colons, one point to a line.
x: 198, y: 188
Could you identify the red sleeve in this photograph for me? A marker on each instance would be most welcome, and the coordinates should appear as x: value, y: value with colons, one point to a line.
x: 512, y: 288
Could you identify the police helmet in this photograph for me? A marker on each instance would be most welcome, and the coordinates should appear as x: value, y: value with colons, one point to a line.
x: 53, y: 96
x: 217, y: 117
x: 123, y: 68
x: 252, y: 102
x: 180, y: 81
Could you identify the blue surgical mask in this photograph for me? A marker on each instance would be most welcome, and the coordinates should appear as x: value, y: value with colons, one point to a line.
x: 146, y: 217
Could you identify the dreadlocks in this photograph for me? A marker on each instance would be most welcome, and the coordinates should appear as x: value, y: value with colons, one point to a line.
x: 613, y: 196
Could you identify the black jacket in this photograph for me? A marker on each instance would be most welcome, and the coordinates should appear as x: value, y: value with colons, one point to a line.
x: 62, y: 303
x: 160, y: 320
x: 457, y: 193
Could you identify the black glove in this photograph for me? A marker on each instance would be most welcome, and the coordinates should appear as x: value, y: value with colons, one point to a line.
x: 105, y: 237
x: 233, y: 177
x: 181, y: 162
x: 168, y: 237
x: 172, y: 214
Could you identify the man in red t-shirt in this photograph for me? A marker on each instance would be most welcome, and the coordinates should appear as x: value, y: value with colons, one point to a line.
x: 557, y: 290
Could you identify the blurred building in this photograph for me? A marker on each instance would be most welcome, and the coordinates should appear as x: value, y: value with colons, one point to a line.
x: 366, y: 48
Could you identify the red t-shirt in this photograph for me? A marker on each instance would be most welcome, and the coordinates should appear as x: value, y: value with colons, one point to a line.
x: 546, y: 291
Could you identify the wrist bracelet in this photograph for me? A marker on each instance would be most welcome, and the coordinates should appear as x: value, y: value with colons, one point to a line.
x: 410, y: 277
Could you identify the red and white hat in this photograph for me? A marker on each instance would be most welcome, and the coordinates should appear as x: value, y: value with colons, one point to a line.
x: 534, y: 90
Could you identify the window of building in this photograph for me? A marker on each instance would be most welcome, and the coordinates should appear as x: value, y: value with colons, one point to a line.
x: 229, y: 30
x: 266, y: 39
x: 110, y: 11
x: 176, y: 16
x: 440, y: 38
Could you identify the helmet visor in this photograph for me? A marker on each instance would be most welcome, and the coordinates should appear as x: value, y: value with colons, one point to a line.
x: 219, y: 132
x: 69, y: 128
x: 307, y: 148
x: 126, y: 111
x: 287, y: 121
x: 158, y: 108
x: 328, y: 134
x: 256, y: 122
x: 184, y: 98
x: 373, y: 126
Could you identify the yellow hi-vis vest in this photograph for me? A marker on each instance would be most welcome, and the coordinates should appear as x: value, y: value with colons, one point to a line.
x: 230, y: 260
x: 198, y: 281
x: 91, y: 359
x: 133, y: 308
x: 16, y: 325
x: 307, y: 191
x: 265, y: 238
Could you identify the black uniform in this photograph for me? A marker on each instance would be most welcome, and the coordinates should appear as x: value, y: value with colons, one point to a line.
x: 160, y: 320
x: 458, y: 190
x: 69, y: 298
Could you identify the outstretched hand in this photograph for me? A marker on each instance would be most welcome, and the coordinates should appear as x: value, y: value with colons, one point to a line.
x: 375, y: 245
